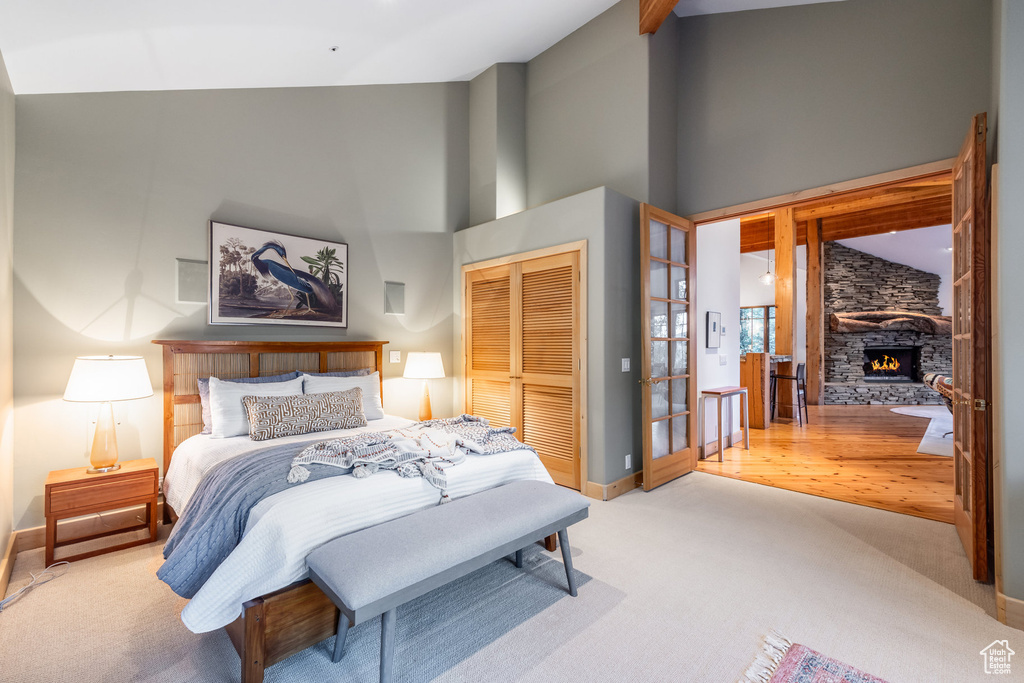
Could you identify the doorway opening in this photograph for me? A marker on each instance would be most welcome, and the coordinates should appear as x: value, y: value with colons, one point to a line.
x: 860, y: 278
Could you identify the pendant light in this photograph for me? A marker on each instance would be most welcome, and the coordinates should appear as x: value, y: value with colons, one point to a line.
x: 768, y: 278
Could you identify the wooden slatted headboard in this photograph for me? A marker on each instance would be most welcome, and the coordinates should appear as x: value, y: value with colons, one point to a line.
x: 187, y: 361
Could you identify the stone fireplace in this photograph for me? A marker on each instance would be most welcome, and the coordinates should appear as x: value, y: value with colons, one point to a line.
x: 855, y: 283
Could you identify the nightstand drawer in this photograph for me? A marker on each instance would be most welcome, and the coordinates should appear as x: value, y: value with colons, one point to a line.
x: 102, y: 491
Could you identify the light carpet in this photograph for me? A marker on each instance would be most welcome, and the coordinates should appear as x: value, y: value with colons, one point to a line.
x: 679, y: 584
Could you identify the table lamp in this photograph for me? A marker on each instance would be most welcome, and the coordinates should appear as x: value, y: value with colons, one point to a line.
x: 424, y: 365
x: 102, y: 379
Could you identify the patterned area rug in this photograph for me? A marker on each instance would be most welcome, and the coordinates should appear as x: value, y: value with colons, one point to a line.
x: 781, y: 661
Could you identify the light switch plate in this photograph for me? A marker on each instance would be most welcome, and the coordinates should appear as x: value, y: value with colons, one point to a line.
x: 396, y: 356
x: 625, y: 365
x: 723, y: 330
x: 723, y: 359
x: 629, y: 461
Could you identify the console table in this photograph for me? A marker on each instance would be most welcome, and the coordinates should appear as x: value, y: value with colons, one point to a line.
x: 722, y: 394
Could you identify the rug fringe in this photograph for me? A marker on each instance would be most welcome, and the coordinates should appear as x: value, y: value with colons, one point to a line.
x: 767, y: 661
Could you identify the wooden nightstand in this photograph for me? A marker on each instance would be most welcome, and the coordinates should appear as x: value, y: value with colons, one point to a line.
x: 73, y: 493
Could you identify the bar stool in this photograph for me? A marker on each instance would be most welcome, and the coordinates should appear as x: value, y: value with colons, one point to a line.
x: 801, y: 392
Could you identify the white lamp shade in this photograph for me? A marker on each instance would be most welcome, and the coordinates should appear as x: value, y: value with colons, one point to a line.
x: 97, y: 379
x: 424, y: 365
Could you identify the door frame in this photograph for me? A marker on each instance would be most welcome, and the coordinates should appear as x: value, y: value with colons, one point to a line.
x: 858, y: 186
x: 579, y: 246
x: 815, y: 194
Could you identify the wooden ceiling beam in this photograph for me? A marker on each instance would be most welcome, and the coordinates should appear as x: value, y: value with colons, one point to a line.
x: 758, y: 233
x: 653, y: 13
x: 877, y: 199
x: 925, y: 214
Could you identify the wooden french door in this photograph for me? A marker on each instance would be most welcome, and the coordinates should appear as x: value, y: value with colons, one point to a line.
x: 668, y: 248
x: 971, y: 352
x: 523, y: 335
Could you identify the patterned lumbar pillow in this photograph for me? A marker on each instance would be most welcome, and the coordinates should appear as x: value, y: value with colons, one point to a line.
x: 271, y: 417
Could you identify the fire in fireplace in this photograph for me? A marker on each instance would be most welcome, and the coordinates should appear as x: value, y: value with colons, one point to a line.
x: 890, y: 364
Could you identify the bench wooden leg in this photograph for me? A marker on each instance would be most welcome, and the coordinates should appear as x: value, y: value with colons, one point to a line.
x: 387, y: 645
x: 339, y: 641
x: 563, y: 540
x: 519, y: 559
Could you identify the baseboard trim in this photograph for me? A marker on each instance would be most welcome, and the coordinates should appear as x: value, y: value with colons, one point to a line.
x: 35, y: 537
x: 30, y: 539
x: 1010, y: 611
x: 731, y: 440
x: 7, y: 564
x: 614, y: 489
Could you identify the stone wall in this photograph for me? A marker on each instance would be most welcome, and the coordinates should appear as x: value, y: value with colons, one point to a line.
x: 854, y: 282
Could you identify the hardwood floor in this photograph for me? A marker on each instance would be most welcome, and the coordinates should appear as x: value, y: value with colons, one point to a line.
x: 858, y: 454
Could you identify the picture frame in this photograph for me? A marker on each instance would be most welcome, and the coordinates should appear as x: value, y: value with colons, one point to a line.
x: 714, y: 330
x: 259, y: 277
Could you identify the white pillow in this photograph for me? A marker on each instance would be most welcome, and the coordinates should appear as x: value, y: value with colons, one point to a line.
x: 226, y: 407
x: 370, y: 384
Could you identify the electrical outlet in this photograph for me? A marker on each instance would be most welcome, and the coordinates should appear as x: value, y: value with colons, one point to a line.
x: 396, y: 356
x: 629, y: 461
x: 625, y: 365
x: 723, y: 359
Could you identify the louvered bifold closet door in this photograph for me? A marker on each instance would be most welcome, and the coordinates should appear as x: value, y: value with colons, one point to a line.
x: 489, y: 346
x: 548, y: 370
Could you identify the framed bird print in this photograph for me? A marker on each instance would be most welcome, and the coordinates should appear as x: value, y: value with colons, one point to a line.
x: 261, y: 277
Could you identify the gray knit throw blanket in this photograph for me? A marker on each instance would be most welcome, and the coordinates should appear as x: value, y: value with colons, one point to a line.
x: 425, y: 449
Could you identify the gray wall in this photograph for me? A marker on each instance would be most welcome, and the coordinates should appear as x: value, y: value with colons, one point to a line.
x: 111, y: 187
x: 586, y: 110
x: 483, y: 146
x: 609, y: 223
x: 1008, y: 401
x: 497, y: 143
x: 7, y: 109
x: 663, y: 114
x: 778, y: 100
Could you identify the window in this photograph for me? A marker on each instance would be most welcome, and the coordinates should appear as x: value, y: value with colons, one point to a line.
x: 757, y: 329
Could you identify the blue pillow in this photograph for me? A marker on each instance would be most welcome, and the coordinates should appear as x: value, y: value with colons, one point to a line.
x: 204, y: 392
x: 343, y: 373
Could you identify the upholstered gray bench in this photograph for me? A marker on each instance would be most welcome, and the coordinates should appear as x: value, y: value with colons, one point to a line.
x: 373, y: 571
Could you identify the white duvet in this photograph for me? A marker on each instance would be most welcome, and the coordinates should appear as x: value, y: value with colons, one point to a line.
x: 285, y: 527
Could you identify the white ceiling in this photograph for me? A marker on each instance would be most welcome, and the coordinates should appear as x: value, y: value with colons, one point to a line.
x: 114, y: 45
x: 926, y: 249
x: 689, y: 8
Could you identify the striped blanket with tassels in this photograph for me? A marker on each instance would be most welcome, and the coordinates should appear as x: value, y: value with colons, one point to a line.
x: 425, y: 450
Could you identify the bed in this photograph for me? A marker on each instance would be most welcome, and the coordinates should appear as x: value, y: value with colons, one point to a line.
x: 260, y: 592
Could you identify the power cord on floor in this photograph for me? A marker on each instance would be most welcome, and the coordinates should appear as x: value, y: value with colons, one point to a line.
x: 39, y: 579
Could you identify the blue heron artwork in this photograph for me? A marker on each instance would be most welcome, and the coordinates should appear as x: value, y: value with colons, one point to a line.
x: 258, y: 276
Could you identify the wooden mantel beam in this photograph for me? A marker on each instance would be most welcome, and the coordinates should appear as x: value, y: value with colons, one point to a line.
x: 653, y: 12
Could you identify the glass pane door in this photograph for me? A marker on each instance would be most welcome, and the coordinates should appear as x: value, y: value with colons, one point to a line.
x: 667, y: 249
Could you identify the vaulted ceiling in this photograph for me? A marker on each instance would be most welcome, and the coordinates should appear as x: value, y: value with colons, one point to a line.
x: 115, y: 45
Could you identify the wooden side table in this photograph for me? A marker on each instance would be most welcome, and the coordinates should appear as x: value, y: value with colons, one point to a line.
x: 722, y: 394
x: 74, y: 493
